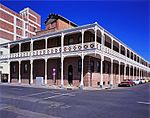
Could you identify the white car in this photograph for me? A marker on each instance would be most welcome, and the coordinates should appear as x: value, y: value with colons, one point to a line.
x: 142, y: 81
x: 137, y: 81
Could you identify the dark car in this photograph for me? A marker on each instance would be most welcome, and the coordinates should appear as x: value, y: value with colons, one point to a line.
x: 126, y: 84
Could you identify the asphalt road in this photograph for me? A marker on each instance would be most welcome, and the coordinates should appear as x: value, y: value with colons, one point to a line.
x: 27, y: 102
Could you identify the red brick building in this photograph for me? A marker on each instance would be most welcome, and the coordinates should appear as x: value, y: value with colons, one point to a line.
x: 65, y: 54
x: 16, y: 26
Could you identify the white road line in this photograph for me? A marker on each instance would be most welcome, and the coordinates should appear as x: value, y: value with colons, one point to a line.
x: 39, y: 93
x: 16, y: 88
x: 35, y: 94
x: 55, y: 96
x: 147, y: 103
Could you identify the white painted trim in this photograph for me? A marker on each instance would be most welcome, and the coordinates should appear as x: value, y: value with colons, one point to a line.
x: 10, y: 14
x: 22, y: 28
x: 32, y: 15
x: 6, y: 31
x: 18, y: 17
x: 6, y: 21
x: 34, y: 22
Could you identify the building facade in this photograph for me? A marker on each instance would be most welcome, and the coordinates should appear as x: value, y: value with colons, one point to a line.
x: 16, y: 26
x: 80, y: 56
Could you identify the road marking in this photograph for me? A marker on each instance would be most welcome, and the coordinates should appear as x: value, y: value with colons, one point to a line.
x: 147, y: 103
x: 39, y: 93
x: 30, y: 95
x: 55, y: 96
x: 17, y: 89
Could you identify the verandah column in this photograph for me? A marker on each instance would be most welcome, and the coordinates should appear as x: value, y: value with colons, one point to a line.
x: 102, y: 59
x: 101, y: 79
x: 111, y: 76
x: 62, y: 60
x: 82, y: 64
x: 31, y: 62
x: 141, y: 74
x: 19, y: 64
x: 19, y: 72
x: 9, y: 72
x: 119, y: 73
x: 31, y: 71
x: 9, y: 63
x: 45, y: 71
x: 119, y: 64
x: 82, y: 60
x: 46, y: 61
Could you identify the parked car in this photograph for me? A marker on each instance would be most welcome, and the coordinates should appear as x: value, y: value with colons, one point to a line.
x: 146, y: 80
x: 143, y: 81
x: 126, y: 84
x: 137, y: 81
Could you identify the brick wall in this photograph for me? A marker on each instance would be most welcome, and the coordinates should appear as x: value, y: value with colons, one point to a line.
x: 36, y: 15
x: 6, y: 35
x: 6, y: 17
x: 6, y: 26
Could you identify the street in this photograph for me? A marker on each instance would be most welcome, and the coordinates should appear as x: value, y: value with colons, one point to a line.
x: 28, y: 102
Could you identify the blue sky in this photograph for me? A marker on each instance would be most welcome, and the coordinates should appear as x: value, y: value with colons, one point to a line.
x: 128, y: 20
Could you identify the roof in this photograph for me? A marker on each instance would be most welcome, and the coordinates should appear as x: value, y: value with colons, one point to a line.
x: 53, y: 17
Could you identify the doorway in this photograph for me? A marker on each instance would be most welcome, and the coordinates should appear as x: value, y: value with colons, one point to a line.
x: 70, y: 74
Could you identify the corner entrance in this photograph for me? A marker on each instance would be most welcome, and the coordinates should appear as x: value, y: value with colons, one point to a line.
x: 70, y: 74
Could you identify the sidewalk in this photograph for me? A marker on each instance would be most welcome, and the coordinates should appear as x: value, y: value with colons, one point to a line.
x: 67, y: 87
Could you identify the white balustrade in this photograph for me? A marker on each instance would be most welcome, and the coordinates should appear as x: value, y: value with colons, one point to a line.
x: 4, y: 57
x: 53, y: 50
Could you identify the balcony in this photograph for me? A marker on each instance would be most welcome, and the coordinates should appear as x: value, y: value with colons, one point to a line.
x: 49, y: 51
x: 67, y: 49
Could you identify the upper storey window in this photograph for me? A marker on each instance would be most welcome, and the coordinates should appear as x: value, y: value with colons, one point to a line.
x: 34, y: 29
x: 79, y: 39
x: 70, y: 41
x: 26, y: 26
x: 131, y: 55
x: 91, y: 38
x: 128, y: 53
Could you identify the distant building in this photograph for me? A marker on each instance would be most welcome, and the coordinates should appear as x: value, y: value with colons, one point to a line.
x: 55, y: 23
x: 16, y: 26
x: 67, y: 54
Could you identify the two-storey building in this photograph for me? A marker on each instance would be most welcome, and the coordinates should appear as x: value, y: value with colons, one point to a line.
x: 65, y: 54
